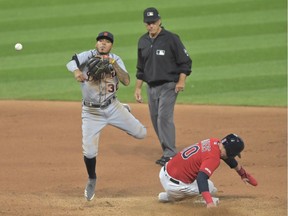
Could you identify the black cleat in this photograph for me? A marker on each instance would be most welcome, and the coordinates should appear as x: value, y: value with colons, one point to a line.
x: 163, y: 160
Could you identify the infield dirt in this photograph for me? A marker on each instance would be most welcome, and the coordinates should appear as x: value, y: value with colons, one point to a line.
x: 43, y: 173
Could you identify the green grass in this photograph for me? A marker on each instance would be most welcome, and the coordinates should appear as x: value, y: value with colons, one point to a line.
x: 238, y: 47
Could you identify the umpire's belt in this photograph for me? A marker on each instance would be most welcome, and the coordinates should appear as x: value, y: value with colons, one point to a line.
x: 103, y: 105
x: 170, y: 178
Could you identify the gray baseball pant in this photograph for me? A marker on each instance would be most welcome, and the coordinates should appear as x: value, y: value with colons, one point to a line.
x: 161, y: 101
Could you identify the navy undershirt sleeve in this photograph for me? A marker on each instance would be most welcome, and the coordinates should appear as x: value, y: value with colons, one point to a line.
x: 202, y: 182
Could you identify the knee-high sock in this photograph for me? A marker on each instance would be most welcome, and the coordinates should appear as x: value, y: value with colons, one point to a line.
x: 90, y: 166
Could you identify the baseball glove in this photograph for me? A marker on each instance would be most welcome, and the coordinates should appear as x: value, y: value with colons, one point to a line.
x: 98, y: 67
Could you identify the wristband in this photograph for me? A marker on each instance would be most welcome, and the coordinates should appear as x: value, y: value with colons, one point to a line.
x: 112, y: 62
x: 207, y: 196
x: 241, y: 172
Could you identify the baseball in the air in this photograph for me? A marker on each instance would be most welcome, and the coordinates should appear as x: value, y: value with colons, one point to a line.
x: 18, y: 46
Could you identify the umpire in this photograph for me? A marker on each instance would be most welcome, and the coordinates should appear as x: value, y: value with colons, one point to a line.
x: 163, y: 63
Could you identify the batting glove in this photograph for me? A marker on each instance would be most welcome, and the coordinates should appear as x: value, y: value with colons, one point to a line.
x: 246, y: 177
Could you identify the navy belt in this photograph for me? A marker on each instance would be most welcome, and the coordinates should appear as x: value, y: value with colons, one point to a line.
x: 103, y: 105
x: 171, y: 179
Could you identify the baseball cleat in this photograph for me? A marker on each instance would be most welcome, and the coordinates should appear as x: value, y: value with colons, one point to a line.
x: 214, y: 191
x: 127, y: 107
x: 89, y: 192
x: 215, y: 201
x: 163, y: 160
x: 163, y: 197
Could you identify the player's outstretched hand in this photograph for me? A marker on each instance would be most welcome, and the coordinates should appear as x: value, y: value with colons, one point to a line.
x: 246, y: 177
x: 213, y: 204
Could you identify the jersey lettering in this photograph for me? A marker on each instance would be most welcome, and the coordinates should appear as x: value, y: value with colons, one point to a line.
x: 111, y: 75
x: 188, y: 152
x: 110, y: 88
x: 111, y: 82
x: 206, y: 145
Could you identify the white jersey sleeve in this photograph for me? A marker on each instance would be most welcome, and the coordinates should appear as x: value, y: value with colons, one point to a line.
x: 78, y: 61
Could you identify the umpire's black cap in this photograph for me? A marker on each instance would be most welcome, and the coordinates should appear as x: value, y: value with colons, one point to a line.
x: 151, y: 15
x: 105, y: 35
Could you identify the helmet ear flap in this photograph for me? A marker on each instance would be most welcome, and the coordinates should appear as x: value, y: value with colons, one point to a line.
x: 233, y: 145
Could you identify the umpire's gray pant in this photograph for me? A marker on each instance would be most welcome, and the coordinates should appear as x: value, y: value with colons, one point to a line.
x: 162, y: 100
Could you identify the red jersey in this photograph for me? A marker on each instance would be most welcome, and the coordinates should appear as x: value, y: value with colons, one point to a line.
x: 203, y: 156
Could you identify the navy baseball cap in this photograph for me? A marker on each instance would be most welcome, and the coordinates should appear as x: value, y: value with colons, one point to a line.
x: 233, y: 145
x: 105, y: 35
x: 151, y: 15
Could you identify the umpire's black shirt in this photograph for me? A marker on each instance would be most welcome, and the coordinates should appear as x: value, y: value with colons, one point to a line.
x: 162, y: 59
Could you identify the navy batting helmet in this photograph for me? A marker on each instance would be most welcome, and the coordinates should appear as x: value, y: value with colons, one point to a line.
x: 233, y: 145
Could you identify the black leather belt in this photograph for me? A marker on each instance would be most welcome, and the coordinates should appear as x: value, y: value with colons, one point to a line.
x: 174, y: 181
x: 171, y: 179
x: 103, y: 105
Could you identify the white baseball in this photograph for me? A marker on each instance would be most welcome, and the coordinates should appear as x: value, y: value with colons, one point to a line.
x: 18, y: 46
